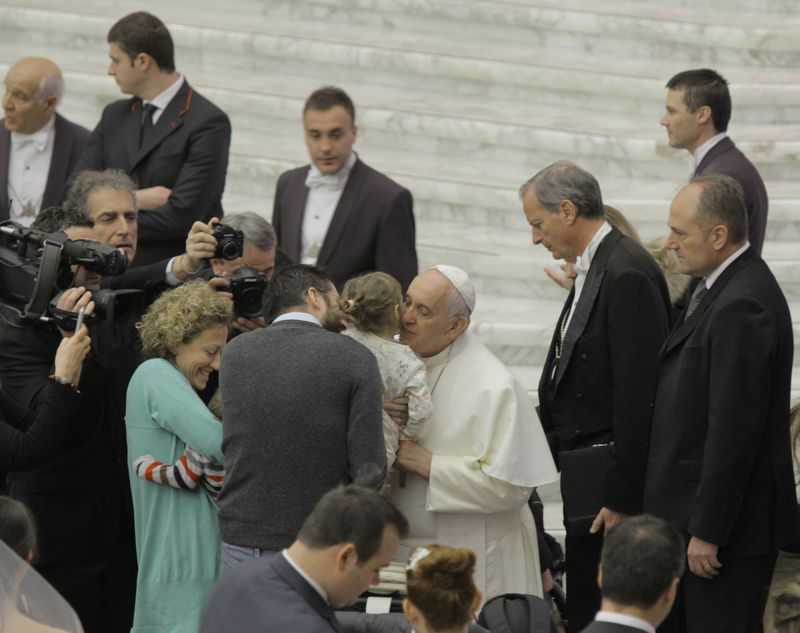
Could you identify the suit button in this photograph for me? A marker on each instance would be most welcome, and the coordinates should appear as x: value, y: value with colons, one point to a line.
x: 576, y: 433
x: 579, y: 396
x: 584, y: 357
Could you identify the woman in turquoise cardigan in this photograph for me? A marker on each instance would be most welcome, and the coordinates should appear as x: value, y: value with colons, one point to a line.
x: 177, y: 539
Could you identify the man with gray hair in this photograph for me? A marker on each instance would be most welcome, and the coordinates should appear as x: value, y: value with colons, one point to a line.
x: 600, y: 374
x: 471, y: 471
x: 38, y: 147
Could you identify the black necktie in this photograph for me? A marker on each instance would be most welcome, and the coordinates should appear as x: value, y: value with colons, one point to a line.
x: 147, y: 123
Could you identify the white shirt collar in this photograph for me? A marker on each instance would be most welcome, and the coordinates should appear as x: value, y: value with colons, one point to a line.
x: 624, y: 620
x: 337, y: 181
x: 305, y: 576
x: 721, y: 268
x: 162, y: 100
x: 584, y: 261
x: 297, y: 316
x: 700, y: 152
x: 39, y: 138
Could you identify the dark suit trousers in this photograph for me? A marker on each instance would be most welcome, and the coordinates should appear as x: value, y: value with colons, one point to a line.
x: 102, y: 591
x: 733, y: 602
x: 583, y: 594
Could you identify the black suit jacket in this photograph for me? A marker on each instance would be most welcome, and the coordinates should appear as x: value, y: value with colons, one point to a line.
x: 187, y: 151
x: 267, y: 596
x: 724, y: 158
x: 720, y: 465
x: 68, y: 144
x: 604, y: 382
x: 81, y: 496
x: 610, y: 627
x: 372, y: 227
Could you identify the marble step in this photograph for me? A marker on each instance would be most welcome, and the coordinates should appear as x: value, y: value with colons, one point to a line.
x: 519, y: 330
x: 413, y: 61
x: 505, y: 263
x: 510, y: 138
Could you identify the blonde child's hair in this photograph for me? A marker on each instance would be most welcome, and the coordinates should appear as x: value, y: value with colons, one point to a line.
x: 370, y: 302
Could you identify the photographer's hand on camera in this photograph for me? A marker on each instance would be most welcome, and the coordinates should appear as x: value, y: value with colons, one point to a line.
x: 70, y: 354
x: 200, y: 246
x: 248, y: 325
x: 72, y: 300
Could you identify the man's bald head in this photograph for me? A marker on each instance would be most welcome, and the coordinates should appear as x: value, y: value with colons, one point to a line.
x: 34, y: 86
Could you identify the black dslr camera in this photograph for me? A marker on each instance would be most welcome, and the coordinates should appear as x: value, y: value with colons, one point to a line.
x: 230, y: 242
x: 247, y: 287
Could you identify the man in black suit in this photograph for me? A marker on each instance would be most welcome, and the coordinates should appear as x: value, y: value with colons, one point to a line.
x: 599, y: 377
x: 338, y: 213
x: 698, y: 108
x: 38, y: 147
x: 719, y: 466
x: 349, y: 535
x: 640, y: 569
x: 172, y: 141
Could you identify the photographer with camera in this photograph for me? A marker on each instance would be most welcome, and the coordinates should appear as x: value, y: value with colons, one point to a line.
x: 80, y: 495
x: 240, y: 257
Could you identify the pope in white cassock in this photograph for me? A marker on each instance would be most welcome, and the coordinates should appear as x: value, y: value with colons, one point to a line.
x: 482, y: 452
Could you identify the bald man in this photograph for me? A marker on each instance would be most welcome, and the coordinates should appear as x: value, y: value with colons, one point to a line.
x: 38, y: 147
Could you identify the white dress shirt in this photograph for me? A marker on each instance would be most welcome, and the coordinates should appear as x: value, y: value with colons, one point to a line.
x: 162, y: 100
x: 721, y: 268
x: 624, y: 620
x: 582, y: 264
x: 324, y: 191
x: 28, y: 165
x: 700, y: 152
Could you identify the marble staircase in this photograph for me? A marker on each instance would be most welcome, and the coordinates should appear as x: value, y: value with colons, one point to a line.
x: 463, y: 100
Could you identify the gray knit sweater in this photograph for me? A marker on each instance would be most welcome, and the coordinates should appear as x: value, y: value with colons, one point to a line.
x: 302, y: 414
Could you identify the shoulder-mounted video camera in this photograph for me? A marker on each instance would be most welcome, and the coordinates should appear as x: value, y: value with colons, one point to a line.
x: 35, y: 270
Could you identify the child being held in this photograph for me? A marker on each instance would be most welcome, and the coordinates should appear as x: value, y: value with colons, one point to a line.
x: 191, y: 470
x: 370, y: 306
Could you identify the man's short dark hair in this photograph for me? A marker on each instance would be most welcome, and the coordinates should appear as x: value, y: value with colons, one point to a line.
x: 54, y: 219
x: 87, y: 181
x: 352, y: 514
x: 564, y: 180
x: 705, y: 87
x: 142, y: 32
x: 328, y: 97
x: 722, y: 202
x: 288, y: 288
x: 641, y: 557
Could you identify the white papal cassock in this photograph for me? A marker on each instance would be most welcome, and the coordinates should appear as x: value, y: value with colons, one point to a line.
x: 489, y: 451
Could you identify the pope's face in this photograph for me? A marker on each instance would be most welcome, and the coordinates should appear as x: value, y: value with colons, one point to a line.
x: 427, y: 326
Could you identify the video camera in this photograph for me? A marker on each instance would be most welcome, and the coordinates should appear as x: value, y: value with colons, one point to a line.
x: 35, y: 269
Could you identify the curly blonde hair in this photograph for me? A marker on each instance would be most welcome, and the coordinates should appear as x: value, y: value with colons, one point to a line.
x: 179, y: 315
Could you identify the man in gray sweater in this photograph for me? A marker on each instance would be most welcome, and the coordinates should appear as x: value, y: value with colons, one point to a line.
x: 302, y: 414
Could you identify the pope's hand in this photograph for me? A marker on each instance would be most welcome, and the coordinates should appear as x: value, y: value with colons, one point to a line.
x: 414, y: 459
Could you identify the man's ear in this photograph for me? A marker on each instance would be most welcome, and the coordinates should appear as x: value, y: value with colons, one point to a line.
x: 216, y: 266
x: 346, y: 554
x: 568, y: 209
x: 703, y: 114
x: 718, y: 236
x: 411, y: 612
x: 457, y: 326
x: 600, y: 577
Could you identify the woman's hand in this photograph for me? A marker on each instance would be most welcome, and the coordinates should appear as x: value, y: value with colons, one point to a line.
x: 70, y: 354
